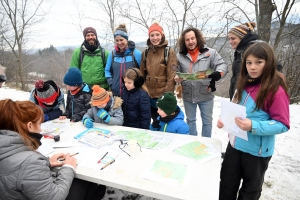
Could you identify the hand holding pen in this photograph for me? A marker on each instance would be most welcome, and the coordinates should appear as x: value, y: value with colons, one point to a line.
x: 64, y: 159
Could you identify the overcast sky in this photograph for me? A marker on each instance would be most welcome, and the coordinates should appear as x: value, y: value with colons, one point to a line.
x: 61, y: 26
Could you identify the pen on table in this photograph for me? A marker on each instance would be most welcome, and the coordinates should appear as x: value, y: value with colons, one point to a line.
x: 74, y: 154
x: 102, y: 157
x: 111, y: 162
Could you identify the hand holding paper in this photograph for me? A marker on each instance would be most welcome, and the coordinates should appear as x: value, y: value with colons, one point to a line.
x: 229, y: 112
x: 244, y: 124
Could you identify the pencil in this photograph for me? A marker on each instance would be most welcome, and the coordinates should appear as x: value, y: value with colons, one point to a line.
x: 111, y: 162
x: 74, y: 154
x: 102, y: 157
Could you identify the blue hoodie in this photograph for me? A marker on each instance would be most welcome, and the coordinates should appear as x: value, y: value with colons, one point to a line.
x: 176, y: 125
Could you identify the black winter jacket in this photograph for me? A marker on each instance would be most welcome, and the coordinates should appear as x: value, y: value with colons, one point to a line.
x: 136, y: 108
x: 78, y: 104
x: 237, y: 62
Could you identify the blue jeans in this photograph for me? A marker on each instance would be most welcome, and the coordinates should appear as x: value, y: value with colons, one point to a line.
x: 206, y: 112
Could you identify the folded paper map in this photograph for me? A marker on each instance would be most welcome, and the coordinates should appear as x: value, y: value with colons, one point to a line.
x: 195, y: 76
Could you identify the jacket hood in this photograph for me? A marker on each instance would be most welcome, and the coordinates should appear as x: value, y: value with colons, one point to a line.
x: 131, y: 47
x: 245, y: 42
x: 10, y: 144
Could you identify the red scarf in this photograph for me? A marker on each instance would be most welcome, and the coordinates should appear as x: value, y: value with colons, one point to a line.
x: 194, y: 54
x: 50, y: 99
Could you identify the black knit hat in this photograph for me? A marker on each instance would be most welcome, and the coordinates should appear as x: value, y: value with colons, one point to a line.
x: 73, y: 77
x: 167, y: 102
x: 2, y: 78
x: 89, y: 30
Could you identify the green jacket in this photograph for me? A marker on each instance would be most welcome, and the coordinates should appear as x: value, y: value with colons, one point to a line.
x: 92, y: 66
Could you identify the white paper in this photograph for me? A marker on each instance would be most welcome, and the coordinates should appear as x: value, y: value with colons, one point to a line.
x: 229, y: 111
x: 92, y: 161
x: 68, y: 143
x: 45, y: 148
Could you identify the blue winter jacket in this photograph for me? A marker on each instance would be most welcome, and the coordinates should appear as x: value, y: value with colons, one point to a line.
x: 136, y: 108
x: 266, y: 123
x: 176, y: 125
x: 114, y: 70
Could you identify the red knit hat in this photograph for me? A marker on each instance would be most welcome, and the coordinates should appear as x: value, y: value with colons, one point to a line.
x: 156, y: 27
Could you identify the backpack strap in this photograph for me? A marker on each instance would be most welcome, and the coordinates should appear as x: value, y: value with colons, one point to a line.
x: 135, y: 63
x: 82, y: 56
x: 112, y: 61
x: 103, y: 56
x: 166, y: 54
x: 145, y: 55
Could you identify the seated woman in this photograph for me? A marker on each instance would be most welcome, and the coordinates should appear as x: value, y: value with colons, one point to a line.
x: 25, y: 173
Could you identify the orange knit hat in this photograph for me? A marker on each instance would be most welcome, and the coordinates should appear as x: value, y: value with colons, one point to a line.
x: 155, y: 27
x: 99, y: 96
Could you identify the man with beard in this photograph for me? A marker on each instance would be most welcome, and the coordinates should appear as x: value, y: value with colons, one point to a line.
x: 195, y: 56
x: 91, y: 58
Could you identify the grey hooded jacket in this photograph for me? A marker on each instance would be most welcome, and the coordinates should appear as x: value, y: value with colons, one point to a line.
x: 196, y: 90
x: 26, y: 174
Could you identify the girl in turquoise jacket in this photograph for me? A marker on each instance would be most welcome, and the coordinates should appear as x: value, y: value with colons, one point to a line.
x: 264, y: 93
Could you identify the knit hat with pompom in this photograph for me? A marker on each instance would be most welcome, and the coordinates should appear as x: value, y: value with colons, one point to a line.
x: 45, y: 92
x: 99, y: 96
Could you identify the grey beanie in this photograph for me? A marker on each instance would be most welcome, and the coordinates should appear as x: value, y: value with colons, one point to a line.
x: 44, y: 90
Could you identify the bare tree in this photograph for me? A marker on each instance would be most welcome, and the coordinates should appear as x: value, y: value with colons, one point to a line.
x: 19, y: 16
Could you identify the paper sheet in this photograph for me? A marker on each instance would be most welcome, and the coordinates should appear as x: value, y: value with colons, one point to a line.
x: 168, y: 173
x: 229, y: 111
x: 45, y: 148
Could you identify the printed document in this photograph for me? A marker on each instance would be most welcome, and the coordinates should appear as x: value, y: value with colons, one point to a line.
x: 229, y: 111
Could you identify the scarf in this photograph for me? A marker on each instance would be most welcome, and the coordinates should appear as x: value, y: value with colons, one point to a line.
x: 36, y: 136
x: 170, y: 117
x: 91, y: 48
x: 194, y: 54
x: 253, y: 81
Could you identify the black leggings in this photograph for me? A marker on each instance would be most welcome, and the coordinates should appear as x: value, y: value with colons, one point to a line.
x: 238, y: 165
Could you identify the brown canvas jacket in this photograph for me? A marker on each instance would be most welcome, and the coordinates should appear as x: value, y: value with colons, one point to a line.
x: 159, y: 78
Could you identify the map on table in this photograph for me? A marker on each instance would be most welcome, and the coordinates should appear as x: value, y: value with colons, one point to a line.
x: 54, y: 127
x: 167, y: 172
x: 146, y: 139
x: 197, y: 151
x: 95, y: 137
x: 195, y: 76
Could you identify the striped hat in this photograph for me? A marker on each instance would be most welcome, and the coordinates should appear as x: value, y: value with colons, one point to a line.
x: 99, y: 96
x: 242, y: 30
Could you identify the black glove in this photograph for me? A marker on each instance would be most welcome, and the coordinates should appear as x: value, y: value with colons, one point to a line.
x: 212, y: 85
x: 155, y: 124
x: 215, y: 76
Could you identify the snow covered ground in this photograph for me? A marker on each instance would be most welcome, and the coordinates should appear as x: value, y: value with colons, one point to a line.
x: 282, y: 179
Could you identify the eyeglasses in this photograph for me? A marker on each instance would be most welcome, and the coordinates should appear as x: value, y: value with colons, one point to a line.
x: 124, y: 144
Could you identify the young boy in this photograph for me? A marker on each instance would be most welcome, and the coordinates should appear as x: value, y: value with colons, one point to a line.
x: 79, y: 96
x: 170, y: 117
x: 105, y: 109
x: 49, y: 97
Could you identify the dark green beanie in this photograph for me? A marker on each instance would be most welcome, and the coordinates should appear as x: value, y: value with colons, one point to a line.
x: 167, y: 102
